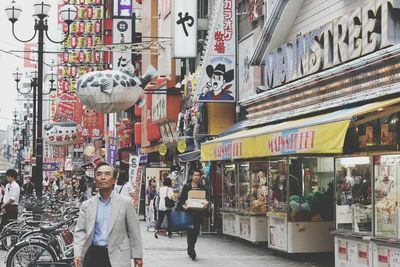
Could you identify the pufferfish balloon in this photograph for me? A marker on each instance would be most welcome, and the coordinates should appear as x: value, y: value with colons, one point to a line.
x: 111, y: 91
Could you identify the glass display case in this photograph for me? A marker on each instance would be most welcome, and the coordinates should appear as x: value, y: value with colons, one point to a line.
x: 386, y: 179
x: 353, y: 194
x: 259, y: 186
x: 244, y: 186
x: 277, y: 176
x: 253, y: 189
x: 229, y: 186
x: 311, y: 189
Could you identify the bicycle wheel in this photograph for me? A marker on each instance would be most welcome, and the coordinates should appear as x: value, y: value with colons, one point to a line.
x: 9, y: 240
x: 30, y: 254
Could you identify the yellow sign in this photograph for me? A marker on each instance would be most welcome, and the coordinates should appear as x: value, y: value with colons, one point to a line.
x: 318, y: 139
x: 163, y: 149
x: 181, y: 146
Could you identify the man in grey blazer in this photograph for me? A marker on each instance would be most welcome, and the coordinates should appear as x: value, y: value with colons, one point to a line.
x: 108, y: 231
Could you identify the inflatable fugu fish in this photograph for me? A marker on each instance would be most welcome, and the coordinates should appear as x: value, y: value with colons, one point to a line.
x: 113, y: 90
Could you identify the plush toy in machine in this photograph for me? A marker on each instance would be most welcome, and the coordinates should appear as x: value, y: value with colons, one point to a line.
x: 113, y: 90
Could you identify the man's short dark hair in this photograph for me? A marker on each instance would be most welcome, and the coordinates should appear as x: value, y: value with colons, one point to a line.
x: 11, y: 172
x: 196, y: 170
x: 103, y: 163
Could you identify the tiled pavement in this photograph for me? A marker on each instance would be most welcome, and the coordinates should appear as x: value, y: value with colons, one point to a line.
x: 217, y: 251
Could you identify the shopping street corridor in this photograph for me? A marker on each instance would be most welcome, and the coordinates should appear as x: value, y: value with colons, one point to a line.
x: 217, y: 251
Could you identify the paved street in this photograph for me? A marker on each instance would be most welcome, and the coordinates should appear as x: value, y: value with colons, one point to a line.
x: 216, y: 251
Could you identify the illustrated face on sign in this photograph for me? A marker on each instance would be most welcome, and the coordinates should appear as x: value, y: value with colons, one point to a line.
x: 218, y: 86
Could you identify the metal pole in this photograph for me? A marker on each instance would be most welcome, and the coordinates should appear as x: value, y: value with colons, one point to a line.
x: 34, y: 85
x: 41, y: 27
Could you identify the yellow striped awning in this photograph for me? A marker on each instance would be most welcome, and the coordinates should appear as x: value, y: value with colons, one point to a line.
x: 323, y: 134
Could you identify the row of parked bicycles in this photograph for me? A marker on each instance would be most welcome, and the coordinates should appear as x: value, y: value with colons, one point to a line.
x: 43, y: 234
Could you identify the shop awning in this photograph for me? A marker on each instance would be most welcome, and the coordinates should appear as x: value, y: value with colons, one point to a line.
x: 323, y: 134
x: 189, y: 156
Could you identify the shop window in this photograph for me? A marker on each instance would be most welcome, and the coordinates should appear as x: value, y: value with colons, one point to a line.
x: 253, y: 189
x: 311, y: 188
x: 353, y: 194
x: 277, y: 179
x: 229, y: 190
x: 386, y: 179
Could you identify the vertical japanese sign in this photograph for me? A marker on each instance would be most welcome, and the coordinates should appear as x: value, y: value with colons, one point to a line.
x: 246, y: 72
x: 137, y: 185
x: 112, y: 148
x: 92, y: 123
x: 184, y: 28
x: 217, y: 81
x: 123, y: 8
x: 122, y: 33
x: 30, y: 55
x: 135, y: 177
x: 133, y: 167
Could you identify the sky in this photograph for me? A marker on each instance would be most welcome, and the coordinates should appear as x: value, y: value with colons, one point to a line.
x: 8, y: 63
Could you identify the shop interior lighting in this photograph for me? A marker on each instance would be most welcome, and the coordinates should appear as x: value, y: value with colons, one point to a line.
x: 351, y: 162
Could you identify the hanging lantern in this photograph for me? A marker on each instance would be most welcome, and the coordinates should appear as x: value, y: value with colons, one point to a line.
x: 81, y: 27
x: 89, y: 12
x: 60, y: 134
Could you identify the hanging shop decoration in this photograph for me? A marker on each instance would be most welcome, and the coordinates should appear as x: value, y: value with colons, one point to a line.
x: 124, y: 130
x: 217, y: 80
x: 60, y: 134
x: 113, y: 91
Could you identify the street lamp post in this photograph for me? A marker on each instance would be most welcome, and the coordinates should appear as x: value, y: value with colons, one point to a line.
x: 41, y: 10
x: 34, y: 83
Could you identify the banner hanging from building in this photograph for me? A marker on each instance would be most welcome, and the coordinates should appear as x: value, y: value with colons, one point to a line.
x: 112, y: 149
x: 133, y: 167
x: 123, y: 8
x: 123, y: 29
x: 185, y: 29
x: 218, y: 75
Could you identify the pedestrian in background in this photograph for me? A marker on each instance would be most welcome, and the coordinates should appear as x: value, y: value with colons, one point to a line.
x: 165, y: 192
x: 197, y: 215
x: 124, y: 187
x: 109, y: 234
x: 11, y: 198
x: 151, y: 193
x: 28, y: 188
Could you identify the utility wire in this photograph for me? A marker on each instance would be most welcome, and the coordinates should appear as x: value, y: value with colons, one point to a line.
x: 22, y: 57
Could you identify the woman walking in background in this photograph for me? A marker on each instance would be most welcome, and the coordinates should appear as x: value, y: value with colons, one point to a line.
x: 124, y: 187
x: 166, y: 196
x: 151, y: 193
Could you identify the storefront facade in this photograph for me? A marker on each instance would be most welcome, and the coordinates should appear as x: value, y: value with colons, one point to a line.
x: 325, y: 163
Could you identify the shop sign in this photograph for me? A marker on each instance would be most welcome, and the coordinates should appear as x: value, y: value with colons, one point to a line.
x: 163, y: 149
x: 50, y: 166
x: 159, y: 106
x: 184, y: 28
x: 133, y: 167
x: 389, y: 160
x: 168, y: 132
x: 217, y: 80
x: 292, y: 141
x: 112, y: 149
x: 123, y: 8
x: 366, y: 29
x: 181, y: 146
x: 122, y: 33
x: 229, y: 150
x: 246, y: 72
x: 92, y: 123
x: 68, y: 166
